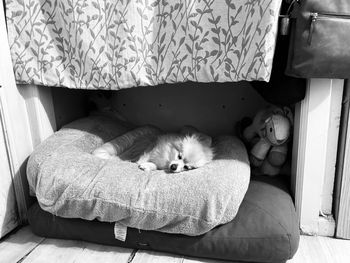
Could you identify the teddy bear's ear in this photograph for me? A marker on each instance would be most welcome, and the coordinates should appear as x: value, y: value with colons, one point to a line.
x: 289, y: 114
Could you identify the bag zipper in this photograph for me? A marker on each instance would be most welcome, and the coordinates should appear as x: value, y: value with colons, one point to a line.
x: 314, y: 16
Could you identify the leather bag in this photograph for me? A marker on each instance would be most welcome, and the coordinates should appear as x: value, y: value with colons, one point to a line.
x: 320, y: 39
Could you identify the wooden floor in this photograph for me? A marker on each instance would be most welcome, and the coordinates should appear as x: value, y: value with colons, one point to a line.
x: 25, y: 247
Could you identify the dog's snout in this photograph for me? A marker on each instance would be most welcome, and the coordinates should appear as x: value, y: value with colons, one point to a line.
x: 173, y: 167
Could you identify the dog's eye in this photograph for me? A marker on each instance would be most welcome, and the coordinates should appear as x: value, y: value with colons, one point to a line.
x: 179, y: 156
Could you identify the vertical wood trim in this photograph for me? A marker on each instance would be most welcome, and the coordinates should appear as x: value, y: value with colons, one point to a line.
x: 310, y: 150
x: 343, y: 204
x: 332, y: 146
x: 299, y: 124
x: 41, y: 112
x: 17, y: 127
x: 298, y: 152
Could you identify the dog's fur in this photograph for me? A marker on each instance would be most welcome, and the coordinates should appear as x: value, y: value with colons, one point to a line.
x: 177, y: 152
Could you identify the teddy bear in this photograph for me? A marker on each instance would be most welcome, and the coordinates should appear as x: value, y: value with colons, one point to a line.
x: 267, y: 138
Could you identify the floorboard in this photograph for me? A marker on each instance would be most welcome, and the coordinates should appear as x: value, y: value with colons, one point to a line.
x: 18, y: 244
x: 69, y: 251
x: 24, y: 247
x: 93, y: 253
x: 322, y: 250
x: 156, y: 257
x: 338, y: 250
x: 202, y: 260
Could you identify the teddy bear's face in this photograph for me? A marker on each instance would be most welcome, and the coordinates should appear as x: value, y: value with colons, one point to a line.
x: 277, y: 129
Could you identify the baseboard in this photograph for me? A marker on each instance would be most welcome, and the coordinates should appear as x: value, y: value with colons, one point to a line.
x: 326, y: 227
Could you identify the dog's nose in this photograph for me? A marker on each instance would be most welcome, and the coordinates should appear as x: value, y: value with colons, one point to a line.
x: 173, y: 167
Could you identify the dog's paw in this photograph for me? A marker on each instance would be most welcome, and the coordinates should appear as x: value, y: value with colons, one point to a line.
x: 147, y: 166
x: 100, y: 153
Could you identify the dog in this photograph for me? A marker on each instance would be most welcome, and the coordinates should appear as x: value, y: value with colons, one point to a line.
x: 176, y: 153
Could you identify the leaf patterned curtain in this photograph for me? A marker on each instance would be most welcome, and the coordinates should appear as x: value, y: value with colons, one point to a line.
x: 115, y: 44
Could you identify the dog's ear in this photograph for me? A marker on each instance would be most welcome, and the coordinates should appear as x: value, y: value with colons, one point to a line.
x: 205, y: 139
x: 188, y: 130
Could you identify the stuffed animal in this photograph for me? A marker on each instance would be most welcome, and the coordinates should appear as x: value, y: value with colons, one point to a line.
x: 267, y: 137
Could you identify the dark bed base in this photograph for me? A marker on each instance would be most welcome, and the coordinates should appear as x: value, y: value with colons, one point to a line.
x: 265, y: 229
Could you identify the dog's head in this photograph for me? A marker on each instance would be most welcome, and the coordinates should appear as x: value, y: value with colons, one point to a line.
x: 191, y: 152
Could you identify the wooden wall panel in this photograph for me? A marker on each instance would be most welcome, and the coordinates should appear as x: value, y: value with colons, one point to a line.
x: 213, y: 108
x: 8, y: 207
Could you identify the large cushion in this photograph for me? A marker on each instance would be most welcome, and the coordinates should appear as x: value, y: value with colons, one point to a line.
x: 70, y: 182
x: 265, y: 229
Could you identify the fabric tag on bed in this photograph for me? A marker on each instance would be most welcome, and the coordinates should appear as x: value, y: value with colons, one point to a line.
x: 120, y: 232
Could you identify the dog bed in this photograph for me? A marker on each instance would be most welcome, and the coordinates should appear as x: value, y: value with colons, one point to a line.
x: 264, y: 230
x: 69, y: 181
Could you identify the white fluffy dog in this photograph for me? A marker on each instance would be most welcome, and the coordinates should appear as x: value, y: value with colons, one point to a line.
x: 176, y: 153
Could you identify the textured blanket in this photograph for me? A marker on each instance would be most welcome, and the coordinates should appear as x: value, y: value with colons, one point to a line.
x: 69, y: 181
x: 115, y: 44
